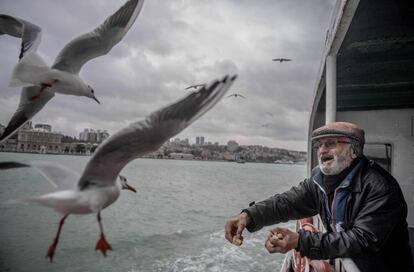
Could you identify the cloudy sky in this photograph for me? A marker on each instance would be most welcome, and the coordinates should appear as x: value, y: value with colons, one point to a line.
x: 177, y: 43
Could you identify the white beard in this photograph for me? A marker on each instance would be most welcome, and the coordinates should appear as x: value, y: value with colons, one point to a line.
x: 339, y: 163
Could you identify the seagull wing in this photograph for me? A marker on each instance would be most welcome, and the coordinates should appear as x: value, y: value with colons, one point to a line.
x: 242, y: 96
x: 60, y: 177
x: 31, y: 34
x: 27, y: 108
x: 99, y: 41
x: 148, y: 135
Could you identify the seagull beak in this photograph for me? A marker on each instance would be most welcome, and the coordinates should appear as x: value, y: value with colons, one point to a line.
x: 128, y: 187
x: 96, y: 99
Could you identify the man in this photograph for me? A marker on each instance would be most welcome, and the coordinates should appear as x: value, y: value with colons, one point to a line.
x: 361, y: 205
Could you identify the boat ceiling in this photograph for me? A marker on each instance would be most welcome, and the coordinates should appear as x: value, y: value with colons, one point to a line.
x: 375, y: 63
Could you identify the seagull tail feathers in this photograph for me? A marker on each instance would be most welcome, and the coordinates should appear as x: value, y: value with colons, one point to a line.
x: 30, y: 70
x: 60, y: 201
x: 44, y: 200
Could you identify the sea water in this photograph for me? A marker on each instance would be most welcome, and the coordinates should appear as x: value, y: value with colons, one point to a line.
x: 175, y: 221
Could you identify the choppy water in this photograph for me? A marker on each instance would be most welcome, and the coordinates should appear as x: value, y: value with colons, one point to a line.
x: 175, y: 222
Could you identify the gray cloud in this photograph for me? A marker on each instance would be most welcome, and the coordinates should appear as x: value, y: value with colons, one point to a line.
x: 175, y: 44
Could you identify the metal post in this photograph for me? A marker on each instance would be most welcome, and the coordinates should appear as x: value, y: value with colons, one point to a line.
x: 330, y: 89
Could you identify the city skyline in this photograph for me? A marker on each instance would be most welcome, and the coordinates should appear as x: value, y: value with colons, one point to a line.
x: 174, y: 45
x: 197, y: 140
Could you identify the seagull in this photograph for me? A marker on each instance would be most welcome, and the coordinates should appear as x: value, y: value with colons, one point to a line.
x: 196, y: 86
x: 97, y: 187
x: 281, y: 60
x: 40, y: 83
x: 74, y: 198
x: 236, y: 95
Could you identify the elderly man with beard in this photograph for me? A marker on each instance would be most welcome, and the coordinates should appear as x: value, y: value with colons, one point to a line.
x: 361, y: 206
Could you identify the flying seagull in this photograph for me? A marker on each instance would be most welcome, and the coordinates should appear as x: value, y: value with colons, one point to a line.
x: 281, y: 60
x: 41, y: 82
x: 97, y: 188
x: 74, y: 195
x: 236, y: 95
x: 196, y: 86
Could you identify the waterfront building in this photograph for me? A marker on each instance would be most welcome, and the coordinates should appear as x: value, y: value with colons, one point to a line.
x: 38, y: 140
x: 10, y: 144
x: 199, y: 140
x: 102, y: 135
x: 93, y: 136
x: 83, y: 136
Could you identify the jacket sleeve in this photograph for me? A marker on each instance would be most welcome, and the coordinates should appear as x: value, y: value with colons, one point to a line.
x: 381, y: 209
x: 299, y: 202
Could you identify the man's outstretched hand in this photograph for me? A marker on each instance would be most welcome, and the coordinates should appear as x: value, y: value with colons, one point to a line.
x: 234, y: 228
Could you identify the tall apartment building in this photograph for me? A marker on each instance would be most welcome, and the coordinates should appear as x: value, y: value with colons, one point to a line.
x: 93, y: 136
x: 83, y: 136
x: 199, y: 140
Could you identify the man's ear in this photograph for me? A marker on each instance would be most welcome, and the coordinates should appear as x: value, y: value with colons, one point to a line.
x: 353, y: 155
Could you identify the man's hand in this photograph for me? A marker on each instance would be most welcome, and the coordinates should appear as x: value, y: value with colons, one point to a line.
x: 281, y: 240
x: 234, y: 228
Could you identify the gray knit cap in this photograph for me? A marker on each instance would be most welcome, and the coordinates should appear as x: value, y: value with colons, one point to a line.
x: 340, y: 129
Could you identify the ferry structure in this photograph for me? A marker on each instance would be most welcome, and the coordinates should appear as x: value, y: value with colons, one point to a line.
x: 366, y: 77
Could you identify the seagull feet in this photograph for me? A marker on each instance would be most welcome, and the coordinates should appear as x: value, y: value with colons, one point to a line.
x: 51, y: 251
x: 103, y: 245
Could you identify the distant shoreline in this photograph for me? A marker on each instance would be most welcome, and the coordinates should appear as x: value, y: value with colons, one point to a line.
x: 144, y: 157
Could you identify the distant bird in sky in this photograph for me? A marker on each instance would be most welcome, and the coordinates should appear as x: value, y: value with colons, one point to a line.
x: 267, y: 125
x: 236, y: 95
x: 196, y: 86
x: 281, y: 60
x: 41, y: 82
x: 97, y: 187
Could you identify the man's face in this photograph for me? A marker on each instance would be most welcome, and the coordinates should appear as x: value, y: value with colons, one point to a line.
x: 334, y: 154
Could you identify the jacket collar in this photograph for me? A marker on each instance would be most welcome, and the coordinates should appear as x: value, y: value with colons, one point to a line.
x: 357, y: 187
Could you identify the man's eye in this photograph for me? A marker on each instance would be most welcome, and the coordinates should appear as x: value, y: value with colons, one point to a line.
x: 330, y: 144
